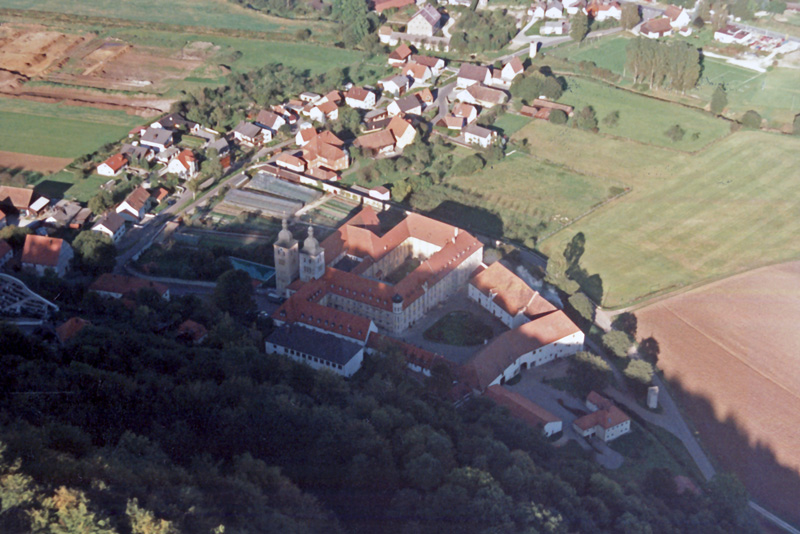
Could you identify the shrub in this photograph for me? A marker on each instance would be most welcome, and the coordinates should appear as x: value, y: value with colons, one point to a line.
x: 639, y: 372
x: 751, y: 119
x: 618, y: 343
x: 558, y: 116
x: 469, y: 165
x: 612, y: 119
x: 675, y: 132
x: 586, y: 119
x: 582, y: 305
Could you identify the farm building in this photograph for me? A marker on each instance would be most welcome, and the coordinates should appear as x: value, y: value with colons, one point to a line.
x: 523, y: 409
x: 113, y: 165
x: 426, y: 21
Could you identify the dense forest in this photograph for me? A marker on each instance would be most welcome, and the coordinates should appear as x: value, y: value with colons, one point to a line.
x: 125, y: 429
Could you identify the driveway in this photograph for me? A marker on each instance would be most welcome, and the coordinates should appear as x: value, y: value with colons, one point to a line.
x: 441, y: 100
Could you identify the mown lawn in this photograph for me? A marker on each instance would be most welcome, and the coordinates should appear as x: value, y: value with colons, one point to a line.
x: 689, y: 218
x: 509, y: 124
x: 458, y: 328
x: 518, y: 197
x: 644, y: 119
x: 210, y: 13
x: 64, y: 185
x: 59, y: 131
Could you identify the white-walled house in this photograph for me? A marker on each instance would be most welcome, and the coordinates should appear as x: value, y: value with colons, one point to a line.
x: 606, y: 421
x: 112, y: 225
x: 135, y: 205
x: 478, y: 135
x: 552, y: 336
x: 426, y: 21
x: 512, y: 69
x: 360, y: 98
x: 41, y: 253
x: 611, y: 10
x: 678, y: 16
x: 184, y: 164
x: 554, y: 27
x: 316, y: 348
x: 469, y: 74
x: 113, y: 165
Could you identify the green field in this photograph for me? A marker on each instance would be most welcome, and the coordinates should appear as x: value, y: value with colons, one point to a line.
x: 59, y: 131
x: 219, y: 14
x: 606, y: 53
x: 689, y: 218
x: 518, y: 197
x: 510, y: 124
x: 644, y: 119
x: 63, y: 185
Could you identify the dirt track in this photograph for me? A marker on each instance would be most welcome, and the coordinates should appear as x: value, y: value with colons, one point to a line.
x: 733, y: 348
x: 30, y: 162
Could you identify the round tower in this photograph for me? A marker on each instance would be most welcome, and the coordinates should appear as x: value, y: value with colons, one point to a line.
x: 286, y: 257
x: 312, y: 258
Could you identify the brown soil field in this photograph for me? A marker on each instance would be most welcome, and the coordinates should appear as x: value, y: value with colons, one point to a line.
x: 731, y: 350
x: 45, y: 164
x: 32, y: 50
x: 144, y: 106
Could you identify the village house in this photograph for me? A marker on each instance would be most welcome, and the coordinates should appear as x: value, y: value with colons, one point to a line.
x: 324, y: 112
x: 380, y: 193
x: 506, y: 296
x: 360, y: 98
x: 375, y: 120
x: 159, y: 195
x: 117, y: 286
x: 192, y: 332
x: 111, y: 224
x: 184, y: 164
x: 387, y: 36
x: 63, y: 213
x: 465, y: 111
x: 394, y: 85
x: 427, y: 21
x: 655, y: 28
x: 113, y: 165
x: 41, y: 253
x: 434, y: 63
x: 534, y: 343
x: 378, y: 143
x: 478, y: 135
x: 221, y: 145
x: 452, y: 122
x: 521, y: 408
x: 135, y: 205
x: 137, y: 152
x: 606, y: 421
x: 291, y: 162
x: 419, y: 73
x: 6, y: 253
x: 165, y: 156
x: 606, y: 11
x: 512, y: 69
x: 572, y: 7
x: 175, y: 121
x: 731, y: 34
x: 157, y: 138
x: 269, y: 120
x: 327, y: 152
x: 403, y: 132
x: 678, y: 16
x: 70, y: 328
x: 407, y: 105
x: 399, y: 56
x: 305, y: 134
x: 554, y: 27
x: 482, y: 95
x: 251, y: 134
x: 308, y: 97
x: 38, y: 207
x: 15, y: 200
x: 469, y: 74
x: 554, y: 10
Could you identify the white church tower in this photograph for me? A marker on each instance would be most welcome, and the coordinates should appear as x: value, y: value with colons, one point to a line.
x: 312, y: 258
x: 286, y: 258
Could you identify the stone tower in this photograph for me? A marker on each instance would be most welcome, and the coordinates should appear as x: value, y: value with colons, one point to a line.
x: 286, y: 258
x: 312, y: 258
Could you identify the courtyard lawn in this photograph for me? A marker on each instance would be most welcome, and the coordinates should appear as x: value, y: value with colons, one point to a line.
x: 509, y: 124
x: 689, y: 217
x: 210, y: 13
x: 644, y: 119
x: 458, y: 328
x: 58, y: 130
x: 518, y: 197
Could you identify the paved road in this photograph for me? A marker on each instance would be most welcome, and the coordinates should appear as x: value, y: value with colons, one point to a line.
x: 441, y: 100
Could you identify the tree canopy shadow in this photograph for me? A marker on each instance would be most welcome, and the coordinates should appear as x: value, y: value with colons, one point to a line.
x: 470, y: 218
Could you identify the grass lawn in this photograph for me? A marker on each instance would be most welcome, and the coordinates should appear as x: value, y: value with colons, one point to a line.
x: 689, y: 218
x: 608, y: 53
x: 644, y: 119
x: 190, y: 141
x: 510, y: 124
x: 517, y: 197
x: 648, y: 447
x: 210, y: 13
x: 57, y: 130
x: 63, y: 185
x: 458, y: 328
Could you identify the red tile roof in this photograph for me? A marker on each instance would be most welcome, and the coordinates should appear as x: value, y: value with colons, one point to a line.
x: 116, y: 162
x: 608, y: 418
x: 376, y: 140
x: 138, y: 198
x: 39, y: 250
x: 499, y: 354
x: 124, y: 285
x: 18, y: 197
x: 192, y: 330
x: 516, y: 64
x: 428, y: 61
x: 187, y: 158
x: 512, y: 294
x: 598, y: 400
x: 357, y: 93
x: 659, y: 25
x: 399, y: 126
x: 328, y: 137
x: 69, y: 329
x: 400, y: 53
x: 159, y: 194
x: 303, y: 308
x: 416, y: 71
x: 520, y: 407
x: 289, y: 159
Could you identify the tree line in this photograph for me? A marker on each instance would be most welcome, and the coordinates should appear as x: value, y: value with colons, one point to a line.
x: 671, y: 65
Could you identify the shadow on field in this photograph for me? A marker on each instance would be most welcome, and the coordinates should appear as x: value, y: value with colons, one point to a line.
x: 471, y: 218
x: 52, y: 189
x: 770, y: 484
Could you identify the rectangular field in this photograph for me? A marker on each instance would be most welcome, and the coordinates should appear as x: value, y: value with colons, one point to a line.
x: 51, y: 134
x: 689, y: 217
x: 64, y: 185
x: 210, y: 13
x: 644, y: 119
x: 518, y: 197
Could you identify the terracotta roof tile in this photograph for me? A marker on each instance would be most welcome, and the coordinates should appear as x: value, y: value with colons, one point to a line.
x: 39, y: 250
x: 70, y: 328
x: 512, y: 294
x: 116, y: 162
x: 608, y: 418
x: 124, y: 285
x: 520, y: 407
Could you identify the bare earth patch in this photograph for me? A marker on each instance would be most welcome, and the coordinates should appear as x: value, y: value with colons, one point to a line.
x: 732, y: 348
x: 30, y: 162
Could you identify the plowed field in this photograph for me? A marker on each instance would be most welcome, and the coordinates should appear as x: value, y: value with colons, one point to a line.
x: 733, y: 347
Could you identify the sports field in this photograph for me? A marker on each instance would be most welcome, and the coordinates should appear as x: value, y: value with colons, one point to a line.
x: 689, y: 218
x: 209, y: 13
x: 59, y: 131
x: 518, y: 197
x: 644, y: 119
